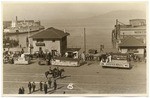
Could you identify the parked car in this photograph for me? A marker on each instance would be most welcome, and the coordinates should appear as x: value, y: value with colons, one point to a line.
x: 43, y: 61
x: 36, y: 54
x: 92, y: 51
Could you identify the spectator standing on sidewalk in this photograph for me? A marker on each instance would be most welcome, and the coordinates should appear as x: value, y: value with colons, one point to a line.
x: 45, y: 88
x: 41, y: 86
x: 55, y: 85
x: 34, y: 86
x: 22, y: 90
x: 49, y: 82
x: 30, y: 87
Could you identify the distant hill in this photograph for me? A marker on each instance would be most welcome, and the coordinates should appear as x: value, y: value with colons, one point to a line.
x: 122, y: 14
x: 110, y: 17
x: 102, y: 20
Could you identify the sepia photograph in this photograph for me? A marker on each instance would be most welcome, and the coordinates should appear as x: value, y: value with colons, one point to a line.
x: 71, y: 49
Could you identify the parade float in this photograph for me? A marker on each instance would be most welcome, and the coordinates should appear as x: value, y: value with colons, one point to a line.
x: 71, y: 58
x: 23, y: 60
x: 115, y: 60
x: 63, y: 61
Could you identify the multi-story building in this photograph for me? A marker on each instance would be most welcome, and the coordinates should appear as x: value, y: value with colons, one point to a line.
x: 136, y: 28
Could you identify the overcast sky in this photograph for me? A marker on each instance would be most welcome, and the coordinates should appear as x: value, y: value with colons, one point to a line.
x: 39, y: 11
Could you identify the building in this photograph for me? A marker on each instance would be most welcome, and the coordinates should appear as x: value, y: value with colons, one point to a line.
x: 51, y: 39
x: 136, y: 28
x: 131, y: 44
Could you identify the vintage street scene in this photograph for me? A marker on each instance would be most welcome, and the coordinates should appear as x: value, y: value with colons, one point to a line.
x: 74, y: 48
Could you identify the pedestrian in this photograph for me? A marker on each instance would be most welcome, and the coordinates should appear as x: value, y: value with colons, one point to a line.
x: 45, y: 88
x: 66, y: 54
x: 83, y: 56
x: 20, y: 91
x: 33, y: 86
x: 101, y: 48
x: 30, y: 87
x: 22, y: 51
x: 55, y: 85
x: 49, y: 57
x: 49, y: 82
x: 41, y: 86
x: 23, y: 90
x: 109, y: 58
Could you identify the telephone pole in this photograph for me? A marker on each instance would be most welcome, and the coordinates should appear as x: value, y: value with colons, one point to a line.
x: 84, y: 41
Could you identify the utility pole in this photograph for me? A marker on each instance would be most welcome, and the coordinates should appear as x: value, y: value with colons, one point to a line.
x: 116, y: 28
x: 84, y: 41
x: 29, y: 46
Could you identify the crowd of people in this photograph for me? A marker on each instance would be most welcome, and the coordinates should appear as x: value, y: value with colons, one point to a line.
x: 21, y: 90
x: 133, y: 57
x: 43, y: 86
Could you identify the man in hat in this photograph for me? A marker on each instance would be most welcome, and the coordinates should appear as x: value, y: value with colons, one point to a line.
x: 45, y: 88
x: 55, y: 85
x: 30, y: 87
x: 33, y: 86
x: 49, y: 82
x: 20, y: 91
x: 41, y: 86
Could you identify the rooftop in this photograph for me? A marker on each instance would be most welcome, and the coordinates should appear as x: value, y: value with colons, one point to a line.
x: 131, y: 41
x: 50, y: 33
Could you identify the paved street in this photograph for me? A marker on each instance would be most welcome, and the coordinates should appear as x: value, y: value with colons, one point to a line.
x: 90, y: 78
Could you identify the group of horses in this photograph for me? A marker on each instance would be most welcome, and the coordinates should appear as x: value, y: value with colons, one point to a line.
x: 54, y: 73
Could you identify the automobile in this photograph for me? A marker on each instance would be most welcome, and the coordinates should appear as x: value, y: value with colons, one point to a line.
x: 6, y: 59
x: 28, y: 55
x: 43, y: 61
x: 92, y: 51
x: 36, y: 54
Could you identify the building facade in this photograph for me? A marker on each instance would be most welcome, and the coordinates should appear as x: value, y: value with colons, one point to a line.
x: 136, y: 28
x: 50, y: 40
x: 131, y: 44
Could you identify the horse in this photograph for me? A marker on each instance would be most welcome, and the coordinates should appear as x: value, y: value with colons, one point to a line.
x: 47, y: 73
x: 60, y: 72
x: 55, y: 73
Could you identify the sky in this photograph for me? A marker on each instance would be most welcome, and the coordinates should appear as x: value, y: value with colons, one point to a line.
x: 48, y: 11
